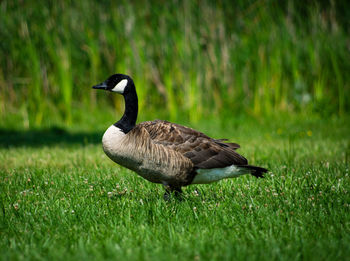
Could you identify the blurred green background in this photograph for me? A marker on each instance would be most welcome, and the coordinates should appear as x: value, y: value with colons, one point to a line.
x: 193, y: 59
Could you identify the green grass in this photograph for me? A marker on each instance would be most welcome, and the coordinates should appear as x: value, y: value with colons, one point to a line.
x: 63, y: 199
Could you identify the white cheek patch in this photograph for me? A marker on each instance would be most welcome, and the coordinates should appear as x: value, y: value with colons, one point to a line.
x: 119, y: 88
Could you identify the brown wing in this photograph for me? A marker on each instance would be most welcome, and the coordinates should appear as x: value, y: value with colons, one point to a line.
x: 230, y: 144
x: 203, y: 151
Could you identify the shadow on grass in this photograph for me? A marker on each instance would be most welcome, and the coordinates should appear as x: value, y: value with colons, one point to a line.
x: 46, y: 137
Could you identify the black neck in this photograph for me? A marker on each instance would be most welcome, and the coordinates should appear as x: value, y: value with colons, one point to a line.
x: 127, y: 122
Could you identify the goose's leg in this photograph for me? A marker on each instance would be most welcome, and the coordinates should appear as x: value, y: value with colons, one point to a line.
x: 167, y: 195
x: 177, y: 191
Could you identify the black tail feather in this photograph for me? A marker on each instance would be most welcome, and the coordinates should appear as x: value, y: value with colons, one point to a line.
x: 254, y: 170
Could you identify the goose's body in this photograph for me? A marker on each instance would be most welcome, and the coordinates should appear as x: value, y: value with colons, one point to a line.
x: 168, y: 153
x: 138, y: 152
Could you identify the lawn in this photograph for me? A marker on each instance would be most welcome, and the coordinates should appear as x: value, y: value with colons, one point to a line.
x: 61, y: 198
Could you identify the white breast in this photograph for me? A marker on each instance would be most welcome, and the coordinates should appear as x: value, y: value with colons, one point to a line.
x: 119, y: 148
x: 112, y: 139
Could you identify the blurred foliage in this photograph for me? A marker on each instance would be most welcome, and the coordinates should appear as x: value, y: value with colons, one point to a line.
x: 193, y: 59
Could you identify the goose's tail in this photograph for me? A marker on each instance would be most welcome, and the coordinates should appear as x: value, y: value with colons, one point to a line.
x: 254, y: 170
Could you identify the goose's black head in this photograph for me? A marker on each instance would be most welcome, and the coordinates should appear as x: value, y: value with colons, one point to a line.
x: 119, y: 83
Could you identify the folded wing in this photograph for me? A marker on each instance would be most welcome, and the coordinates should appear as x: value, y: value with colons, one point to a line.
x: 203, y: 151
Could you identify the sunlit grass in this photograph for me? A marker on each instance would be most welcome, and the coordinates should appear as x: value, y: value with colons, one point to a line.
x: 64, y: 199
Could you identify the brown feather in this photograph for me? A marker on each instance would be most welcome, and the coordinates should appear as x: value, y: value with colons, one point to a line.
x: 203, y: 151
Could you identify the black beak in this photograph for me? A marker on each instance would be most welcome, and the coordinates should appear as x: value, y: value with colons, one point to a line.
x: 102, y: 86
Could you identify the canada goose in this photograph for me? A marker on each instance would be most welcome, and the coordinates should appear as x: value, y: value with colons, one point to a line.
x: 168, y: 153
